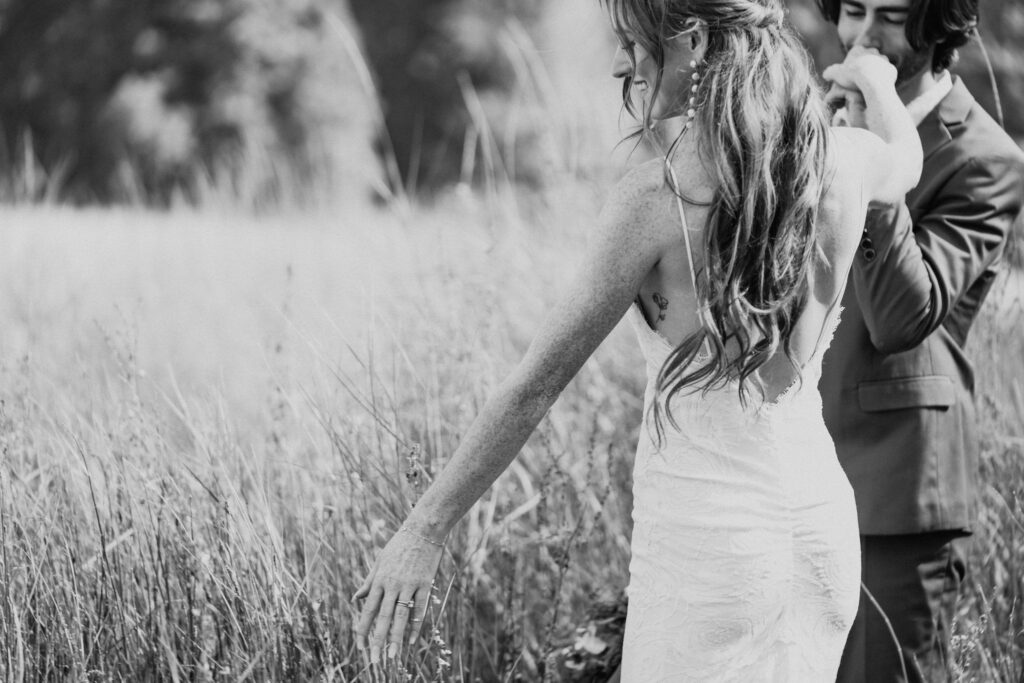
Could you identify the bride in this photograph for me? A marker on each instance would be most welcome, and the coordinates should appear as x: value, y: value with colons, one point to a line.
x: 730, y: 256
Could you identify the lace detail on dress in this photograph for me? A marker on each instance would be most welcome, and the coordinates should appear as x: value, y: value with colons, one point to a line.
x: 656, y: 348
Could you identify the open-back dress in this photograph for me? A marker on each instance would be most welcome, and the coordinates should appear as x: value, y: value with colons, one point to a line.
x: 745, y: 551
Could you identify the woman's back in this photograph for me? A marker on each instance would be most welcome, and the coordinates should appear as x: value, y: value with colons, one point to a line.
x: 745, y: 558
x: 668, y: 299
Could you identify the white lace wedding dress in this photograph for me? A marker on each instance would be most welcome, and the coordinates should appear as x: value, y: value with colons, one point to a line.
x: 745, y: 553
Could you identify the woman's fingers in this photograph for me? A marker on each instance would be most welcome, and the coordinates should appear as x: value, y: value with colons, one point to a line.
x: 860, y: 50
x: 404, y: 609
x: 364, y: 589
x: 860, y: 70
x: 389, y: 613
x: 419, y: 613
x: 366, y: 617
x: 840, y: 75
x: 398, y: 583
x: 380, y: 632
x: 835, y: 98
x: 365, y: 657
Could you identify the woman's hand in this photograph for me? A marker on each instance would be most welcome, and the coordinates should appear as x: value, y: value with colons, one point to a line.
x: 863, y: 69
x: 397, y: 592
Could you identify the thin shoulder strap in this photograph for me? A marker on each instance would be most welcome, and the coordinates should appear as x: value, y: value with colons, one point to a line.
x: 701, y: 308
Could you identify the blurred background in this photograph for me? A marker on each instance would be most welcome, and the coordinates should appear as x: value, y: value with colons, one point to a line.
x: 158, y: 101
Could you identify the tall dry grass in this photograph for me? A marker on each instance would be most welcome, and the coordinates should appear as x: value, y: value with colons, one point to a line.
x: 208, y: 427
x: 989, y: 635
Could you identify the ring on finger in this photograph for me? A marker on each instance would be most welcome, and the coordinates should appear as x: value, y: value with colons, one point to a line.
x: 406, y: 603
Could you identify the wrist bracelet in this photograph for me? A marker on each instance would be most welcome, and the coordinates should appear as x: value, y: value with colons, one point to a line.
x: 420, y: 536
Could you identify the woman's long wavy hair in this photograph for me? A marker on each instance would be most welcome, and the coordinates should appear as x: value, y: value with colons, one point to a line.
x: 764, y: 129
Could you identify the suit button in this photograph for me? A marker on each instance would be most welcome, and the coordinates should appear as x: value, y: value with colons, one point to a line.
x: 866, y: 243
x: 869, y: 254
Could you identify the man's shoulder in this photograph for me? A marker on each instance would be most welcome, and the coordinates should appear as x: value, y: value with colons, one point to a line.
x: 974, y: 133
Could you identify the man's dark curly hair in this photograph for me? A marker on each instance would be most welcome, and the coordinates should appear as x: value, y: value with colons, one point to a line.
x: 946, y: 24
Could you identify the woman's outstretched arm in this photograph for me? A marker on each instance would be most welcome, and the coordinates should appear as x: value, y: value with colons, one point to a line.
x: 621, y: 251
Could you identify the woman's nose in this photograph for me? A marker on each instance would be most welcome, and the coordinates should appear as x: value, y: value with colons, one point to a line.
x: 621, y: 66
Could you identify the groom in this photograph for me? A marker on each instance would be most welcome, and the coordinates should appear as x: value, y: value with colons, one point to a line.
x: 897, y: 385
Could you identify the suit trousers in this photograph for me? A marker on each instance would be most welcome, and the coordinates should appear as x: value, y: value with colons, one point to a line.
x: 915, y: 579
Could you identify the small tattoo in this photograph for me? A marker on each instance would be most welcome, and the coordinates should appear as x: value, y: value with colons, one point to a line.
x: 662, y: 304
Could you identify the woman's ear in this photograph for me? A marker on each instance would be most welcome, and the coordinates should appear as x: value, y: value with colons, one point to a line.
x: 693, y: 38
x: 699, y: 40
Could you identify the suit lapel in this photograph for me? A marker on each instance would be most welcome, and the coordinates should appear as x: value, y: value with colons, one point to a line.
x: 935, y: 129
x: 933, y: 132
x: 951, y: 111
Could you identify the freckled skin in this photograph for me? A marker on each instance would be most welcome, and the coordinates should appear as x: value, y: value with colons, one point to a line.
x: 622, y: 251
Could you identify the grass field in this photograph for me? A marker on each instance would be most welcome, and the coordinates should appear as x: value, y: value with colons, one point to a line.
x: 209, y: 422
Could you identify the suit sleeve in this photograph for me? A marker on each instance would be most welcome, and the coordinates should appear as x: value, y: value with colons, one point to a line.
x: 909, y: 275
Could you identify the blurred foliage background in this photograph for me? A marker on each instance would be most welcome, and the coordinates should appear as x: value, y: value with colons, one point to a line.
x: 155, y: 100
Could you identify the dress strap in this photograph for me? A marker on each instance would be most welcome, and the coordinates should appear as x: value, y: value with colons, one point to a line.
x: 701, y: 308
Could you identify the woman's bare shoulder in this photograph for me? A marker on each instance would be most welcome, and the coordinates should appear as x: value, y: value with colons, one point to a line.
x: 641, y: 201
x: 640, y: 186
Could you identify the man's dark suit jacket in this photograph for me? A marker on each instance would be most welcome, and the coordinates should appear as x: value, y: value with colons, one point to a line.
x: 897, y: 387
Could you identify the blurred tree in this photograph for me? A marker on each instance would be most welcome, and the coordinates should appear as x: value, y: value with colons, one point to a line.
x: 136, y: 98
x: 146, y: 97
x: 60, y: 63
x: 419, y: 51
x: 1002, y: 30
x: 419, y: 48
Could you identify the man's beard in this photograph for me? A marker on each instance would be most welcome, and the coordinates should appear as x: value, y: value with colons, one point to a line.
x: 911, y: 66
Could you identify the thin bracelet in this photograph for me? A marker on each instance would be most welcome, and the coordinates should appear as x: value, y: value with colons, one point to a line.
x: 421, y: 536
